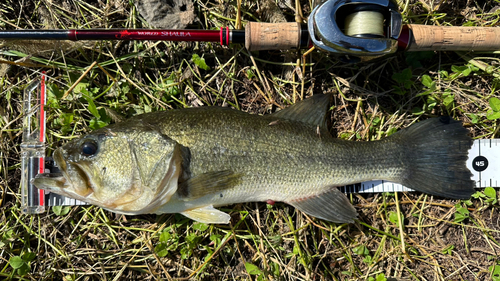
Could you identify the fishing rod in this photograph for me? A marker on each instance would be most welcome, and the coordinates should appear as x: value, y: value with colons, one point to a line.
x: 360, y: 29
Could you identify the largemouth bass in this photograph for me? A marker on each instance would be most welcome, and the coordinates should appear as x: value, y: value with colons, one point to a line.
x: 189, y: 161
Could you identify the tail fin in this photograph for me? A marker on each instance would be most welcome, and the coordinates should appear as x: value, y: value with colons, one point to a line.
x: 437, y: 151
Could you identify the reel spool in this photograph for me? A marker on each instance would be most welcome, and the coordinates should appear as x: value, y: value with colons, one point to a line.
x: 362, y: 29
x: 364, y: 21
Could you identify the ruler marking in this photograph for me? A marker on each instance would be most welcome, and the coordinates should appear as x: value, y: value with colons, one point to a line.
x: 480, y: 174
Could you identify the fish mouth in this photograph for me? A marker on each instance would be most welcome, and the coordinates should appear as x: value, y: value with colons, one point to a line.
x: 65, y: 182
x: 53, y: 181
x: 50, y: 181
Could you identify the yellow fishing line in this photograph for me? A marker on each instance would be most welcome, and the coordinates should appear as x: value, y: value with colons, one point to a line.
x: 364, y: 22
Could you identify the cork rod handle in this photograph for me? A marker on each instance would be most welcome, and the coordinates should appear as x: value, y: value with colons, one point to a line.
x: 272, y: 36
x: 453, y: 38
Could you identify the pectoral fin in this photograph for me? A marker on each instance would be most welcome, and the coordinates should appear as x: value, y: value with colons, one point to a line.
x: 208, y: 183
x: 331, y: 205
x: 207, y: 214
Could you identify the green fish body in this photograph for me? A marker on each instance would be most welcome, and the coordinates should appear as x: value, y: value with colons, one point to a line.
x: 191, y: 160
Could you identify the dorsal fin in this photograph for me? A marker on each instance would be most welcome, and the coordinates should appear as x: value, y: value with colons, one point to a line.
x: 311, y: 111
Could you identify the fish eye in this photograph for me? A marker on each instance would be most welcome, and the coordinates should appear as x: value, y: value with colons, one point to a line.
x: 89, y: 148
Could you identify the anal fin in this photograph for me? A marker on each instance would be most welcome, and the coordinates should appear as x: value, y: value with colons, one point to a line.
x: 207, y: 214
x: 331, y: 205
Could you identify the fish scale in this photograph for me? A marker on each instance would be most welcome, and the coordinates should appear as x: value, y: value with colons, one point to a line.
x: 254, y: 152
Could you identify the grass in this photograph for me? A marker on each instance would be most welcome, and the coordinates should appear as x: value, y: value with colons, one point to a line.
x: 91, y: 84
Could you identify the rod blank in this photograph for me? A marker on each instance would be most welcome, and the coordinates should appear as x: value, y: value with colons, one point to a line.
x: 35, y: 34
x: 224, y: 35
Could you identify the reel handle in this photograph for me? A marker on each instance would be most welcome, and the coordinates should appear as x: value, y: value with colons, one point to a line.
x: 452, y: 38
x: 275, y: 36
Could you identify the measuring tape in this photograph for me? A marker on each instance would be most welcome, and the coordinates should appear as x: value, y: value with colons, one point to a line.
x: 481, y: 162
